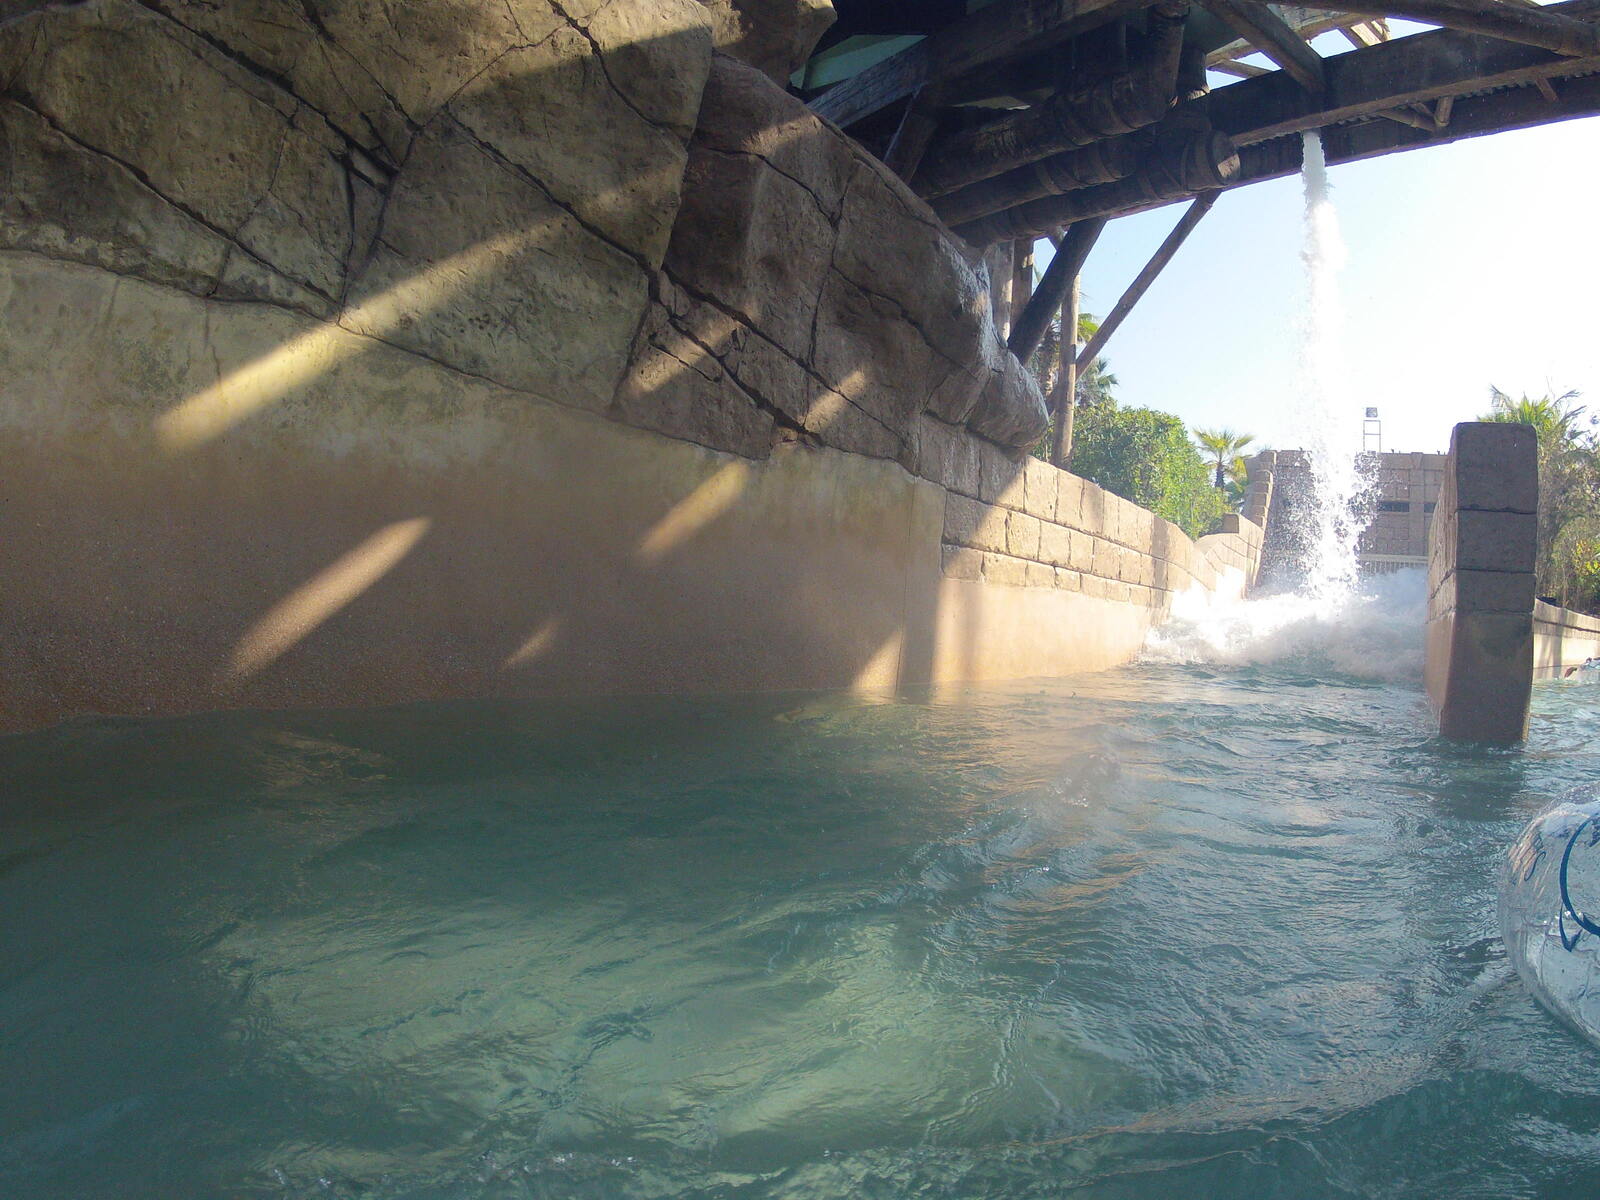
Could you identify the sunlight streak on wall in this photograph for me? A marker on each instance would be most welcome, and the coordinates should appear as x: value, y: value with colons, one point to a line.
x: 538, y: 642
x: 246, y: 391
x: 695, y: 511
x: 325, y: 594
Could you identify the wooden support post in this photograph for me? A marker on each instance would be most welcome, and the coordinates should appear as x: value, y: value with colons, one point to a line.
x: 914, y: 133
x: 1064, y: 399
x: 998, y: 259
x: 1141, y: 283
x: 1270, y: 34
x: 1441, y: 110
x: 1021, y: 273
x: 1027, y: 331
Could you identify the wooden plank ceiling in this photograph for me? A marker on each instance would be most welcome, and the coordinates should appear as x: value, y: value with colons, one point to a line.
x: 1016, y: 118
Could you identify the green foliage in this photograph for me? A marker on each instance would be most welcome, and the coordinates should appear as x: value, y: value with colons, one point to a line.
x: 1237, y: 481
x: 1147, y: 457
x: 1224, y: 447
x: 1138, y: 453
x: 1568, y: 556
x: 1094, y: 384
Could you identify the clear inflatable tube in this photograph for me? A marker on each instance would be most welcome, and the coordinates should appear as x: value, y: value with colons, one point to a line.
x: 1550, y: 910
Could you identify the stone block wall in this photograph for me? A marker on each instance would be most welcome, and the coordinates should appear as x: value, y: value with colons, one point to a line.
x: 1030, y: 524
x: 501, y: 349
x: 1479, y: 642
x: 1259, y: 482
x: 1562, y: 639
x: 1407, y: 495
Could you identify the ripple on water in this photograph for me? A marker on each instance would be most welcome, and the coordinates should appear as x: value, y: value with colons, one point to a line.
x: 1181, y: 929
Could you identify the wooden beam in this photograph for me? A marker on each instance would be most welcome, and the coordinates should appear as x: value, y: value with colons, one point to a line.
x: 1474, y: 116
x: 1270, y: 34
x: 1141, y: 283
x: 1064, y: 397
x: 1492, y: 18
x: 1547, y: 91
x: 1241, y: 70
x: 1361, y: 34
x: 1177, y: 168
x: 1108, y: 106
x: 1406, y: 117
x: 1471, y: 116
x: 1027, y: 331
x: 992, y: 34
x: 916, y: 128
x: 1441, y: 110
x: 1099, y: 162
x: 1423, y: 67
x: 1021, y: 272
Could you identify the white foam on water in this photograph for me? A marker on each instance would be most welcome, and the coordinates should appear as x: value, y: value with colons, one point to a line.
x: 1372, y: 631
x: 1335, y: 620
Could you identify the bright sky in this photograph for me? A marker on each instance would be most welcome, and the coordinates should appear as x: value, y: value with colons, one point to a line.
x: 1468, y: 264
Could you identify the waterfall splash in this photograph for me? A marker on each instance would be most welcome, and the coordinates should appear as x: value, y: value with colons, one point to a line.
x: 1324, y: 415
x: 1367, y: 628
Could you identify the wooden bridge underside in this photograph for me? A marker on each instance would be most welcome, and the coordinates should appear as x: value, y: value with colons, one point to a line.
x: 1048, y: 118
x: 1495, y: 65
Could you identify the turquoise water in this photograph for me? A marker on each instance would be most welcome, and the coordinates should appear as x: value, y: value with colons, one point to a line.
x: 1171, y: 931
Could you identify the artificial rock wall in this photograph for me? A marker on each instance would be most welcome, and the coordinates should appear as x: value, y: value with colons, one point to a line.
x: 359, y: 354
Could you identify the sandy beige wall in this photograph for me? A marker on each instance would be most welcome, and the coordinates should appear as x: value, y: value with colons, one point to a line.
x: 238, y: 506
x: 1562, y: 638
x: 362, y: 526
x: 508, y: 348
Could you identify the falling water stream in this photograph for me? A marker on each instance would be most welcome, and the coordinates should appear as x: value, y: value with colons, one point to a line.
x: 1323, y: 413
x: 1220, y: 924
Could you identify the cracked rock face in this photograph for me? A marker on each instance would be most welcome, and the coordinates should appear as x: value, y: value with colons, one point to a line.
x: 488, y: 184
x: 774, y: 36
x: 811, y: 250
x: 573, y: 199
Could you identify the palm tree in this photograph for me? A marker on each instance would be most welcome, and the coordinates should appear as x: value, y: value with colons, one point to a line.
x: 1222, y: 446
x: 1553, y: 418
x: 1238, y: 482
x: 1569, y: 491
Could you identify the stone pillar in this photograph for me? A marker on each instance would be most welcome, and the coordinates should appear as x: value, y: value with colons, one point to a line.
x: 1479, y: 665
x: 1258, y: 487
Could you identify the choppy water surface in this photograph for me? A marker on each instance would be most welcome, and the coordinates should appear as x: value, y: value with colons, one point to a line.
x: 1178, y: 930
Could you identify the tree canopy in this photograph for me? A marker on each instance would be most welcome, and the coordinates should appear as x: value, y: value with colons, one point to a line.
x: 1568, y: 553
x: 1138, y: 453
x: 1225, y: 448
x: 1147, y: 457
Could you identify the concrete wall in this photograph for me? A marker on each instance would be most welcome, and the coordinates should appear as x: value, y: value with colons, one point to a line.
x: 499, y: 352
x: 1562, y: 638
x: 1046, y: 573
x: 1408, y: 487
x: 1480, y: 642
